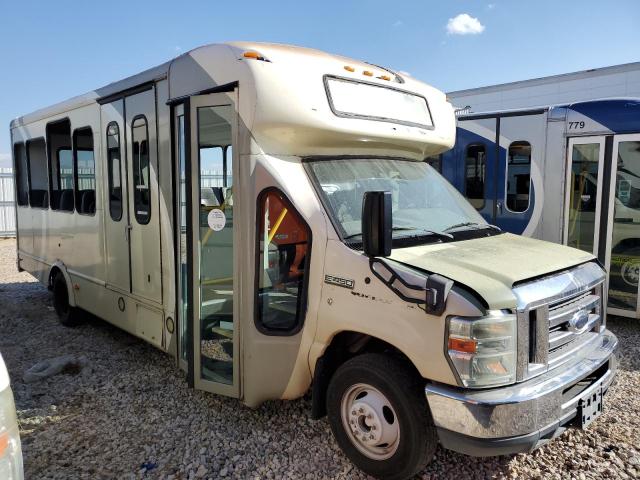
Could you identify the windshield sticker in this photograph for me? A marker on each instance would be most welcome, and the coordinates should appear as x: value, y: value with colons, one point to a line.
x: 340, y: 282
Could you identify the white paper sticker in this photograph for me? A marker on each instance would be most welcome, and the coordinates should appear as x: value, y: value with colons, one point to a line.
x: 216, y: 220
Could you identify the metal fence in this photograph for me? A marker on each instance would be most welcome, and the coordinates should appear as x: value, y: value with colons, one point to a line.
x: 7, y: 204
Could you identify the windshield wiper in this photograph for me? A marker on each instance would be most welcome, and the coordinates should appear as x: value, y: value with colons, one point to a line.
x: 473, y: 224
x: 425, y: 232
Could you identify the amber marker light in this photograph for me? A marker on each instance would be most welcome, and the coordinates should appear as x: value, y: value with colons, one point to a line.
x: 367, y: 73
x: 255, y: 55
x: 349, y: 68
x: 465, y: 345
x: 384, y: 77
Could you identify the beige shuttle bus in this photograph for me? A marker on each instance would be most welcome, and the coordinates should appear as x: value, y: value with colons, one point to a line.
x: 263, y: 214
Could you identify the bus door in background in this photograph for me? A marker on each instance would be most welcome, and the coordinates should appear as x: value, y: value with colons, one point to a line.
x: 519, y: 173
x: 622, y: 251
x: 473, y: 171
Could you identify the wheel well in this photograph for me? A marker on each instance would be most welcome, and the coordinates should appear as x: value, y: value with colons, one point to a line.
x: 344, y: 346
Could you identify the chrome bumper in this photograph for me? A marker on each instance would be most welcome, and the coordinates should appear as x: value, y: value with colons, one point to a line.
x: 519, y: 417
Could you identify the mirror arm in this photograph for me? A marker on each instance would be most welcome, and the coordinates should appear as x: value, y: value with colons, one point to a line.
x: 433, y: 295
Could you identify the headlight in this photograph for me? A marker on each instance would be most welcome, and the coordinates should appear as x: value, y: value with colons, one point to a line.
x: 10, y: 449
x: 483, y: 350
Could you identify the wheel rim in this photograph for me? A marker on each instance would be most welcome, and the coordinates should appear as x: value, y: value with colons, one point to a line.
x: 370, y: 421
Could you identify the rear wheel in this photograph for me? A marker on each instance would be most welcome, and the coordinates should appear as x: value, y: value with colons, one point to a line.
x: 67, y: 314
x: 380, y: 418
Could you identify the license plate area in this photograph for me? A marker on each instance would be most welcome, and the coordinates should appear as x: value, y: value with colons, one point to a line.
x: 590, y: 406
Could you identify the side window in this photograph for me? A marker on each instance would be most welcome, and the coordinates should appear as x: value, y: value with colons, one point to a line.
x: 141, y: 174
x: 435, y: 161
x: 37, y: 162
x: 228, y: 166
x: 475, y: 168
x: 60, y: 165
x: 85, y: 168
x: 22, y: 184
x: 283, y: 250
x: 518, y: 177
x: 114, y: 171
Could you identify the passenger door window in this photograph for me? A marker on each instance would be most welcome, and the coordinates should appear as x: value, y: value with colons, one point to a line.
x: 475, y: 173
x: 582, y: 217
x: 141, y: 173
x: 518, y: 177
x: 283, y: 262
x: 114, y: 171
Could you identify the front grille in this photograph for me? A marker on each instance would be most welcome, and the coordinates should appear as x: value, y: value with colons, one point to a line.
x: 557, y: 317
x: 564, y: 338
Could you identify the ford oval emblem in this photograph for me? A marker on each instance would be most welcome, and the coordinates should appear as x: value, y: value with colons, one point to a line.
x: 579, y: 321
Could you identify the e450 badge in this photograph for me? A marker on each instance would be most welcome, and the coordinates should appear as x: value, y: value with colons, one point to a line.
x: 339, y: 281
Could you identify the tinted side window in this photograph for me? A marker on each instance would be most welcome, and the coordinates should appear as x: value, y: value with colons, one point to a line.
x: 85, y: 168
x: 60, y: 165
x: 284, y: 244
x: 37, y: 162
x: 114, y: 171
x: 22, y: 184
x: 141, y: 174
x: 475, y: 169
x: 518, y: 177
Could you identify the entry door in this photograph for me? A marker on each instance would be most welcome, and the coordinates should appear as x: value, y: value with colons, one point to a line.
x: 214, y: 234
x: 583, y: 193
x: 116, y: 197
x: 623, y: 242
x: 144, y: 214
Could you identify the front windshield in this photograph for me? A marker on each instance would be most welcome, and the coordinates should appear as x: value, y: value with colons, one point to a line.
x: 423, y: 201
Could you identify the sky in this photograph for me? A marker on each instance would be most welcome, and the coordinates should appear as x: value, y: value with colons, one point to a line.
x: 53, y: 50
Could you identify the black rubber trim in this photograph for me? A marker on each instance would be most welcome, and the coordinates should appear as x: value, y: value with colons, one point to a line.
x: 143, y: 87
x: 604, y: 204
x: 521, y: 113
x: 227, y: 87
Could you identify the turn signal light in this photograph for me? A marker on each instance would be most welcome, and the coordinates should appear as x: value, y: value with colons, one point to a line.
x: 465, y: 345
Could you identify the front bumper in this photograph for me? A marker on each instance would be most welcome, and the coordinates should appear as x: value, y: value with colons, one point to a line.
x: 520, y: 417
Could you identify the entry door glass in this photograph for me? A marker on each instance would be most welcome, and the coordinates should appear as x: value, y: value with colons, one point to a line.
x: 182, y: 238
x: 215, y: 233
x: 625, y: 247
x: 583, y: 192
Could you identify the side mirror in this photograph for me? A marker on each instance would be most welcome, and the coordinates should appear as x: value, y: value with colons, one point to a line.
x: 376, y: 224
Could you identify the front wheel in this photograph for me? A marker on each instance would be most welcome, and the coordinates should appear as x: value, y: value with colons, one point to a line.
x: 380, y: 418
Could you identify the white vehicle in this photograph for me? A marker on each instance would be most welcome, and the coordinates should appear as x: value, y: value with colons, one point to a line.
x: 263, y: 214
x: 10, y: 447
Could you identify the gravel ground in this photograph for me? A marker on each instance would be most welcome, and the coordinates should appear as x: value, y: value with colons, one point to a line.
x: 131, y: 415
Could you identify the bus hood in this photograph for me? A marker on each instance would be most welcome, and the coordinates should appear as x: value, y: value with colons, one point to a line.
x: 492, y: 265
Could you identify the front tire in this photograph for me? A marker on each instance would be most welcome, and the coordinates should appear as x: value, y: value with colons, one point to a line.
x: 380, y: 418
x: 67, y: 314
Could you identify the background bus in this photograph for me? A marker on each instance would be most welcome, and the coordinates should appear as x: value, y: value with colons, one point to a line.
x: 567, y: 173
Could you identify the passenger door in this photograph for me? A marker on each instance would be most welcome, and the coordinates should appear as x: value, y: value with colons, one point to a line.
x: 143, y: 199
x: 215, y: 280
x: 116, y: 204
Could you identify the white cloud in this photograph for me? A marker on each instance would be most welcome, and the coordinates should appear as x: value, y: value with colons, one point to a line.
x: 464, y: 24
x: 397, y: 23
